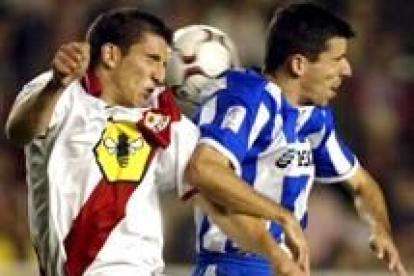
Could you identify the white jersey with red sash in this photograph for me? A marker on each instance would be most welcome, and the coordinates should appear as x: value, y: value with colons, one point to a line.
x: 94, y: 179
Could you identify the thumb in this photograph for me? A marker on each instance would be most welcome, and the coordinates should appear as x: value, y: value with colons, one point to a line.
x: 84, y: 49
x: 379, y: 251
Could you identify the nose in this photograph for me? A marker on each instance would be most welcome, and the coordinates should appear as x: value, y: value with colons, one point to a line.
x: 346, y: 68
x: 158, y: 74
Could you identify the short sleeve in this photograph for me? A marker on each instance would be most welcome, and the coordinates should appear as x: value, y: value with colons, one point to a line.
x: 63, y: 104
x: 174, y: 159
x: 227, y: 119
x: 334, y: 161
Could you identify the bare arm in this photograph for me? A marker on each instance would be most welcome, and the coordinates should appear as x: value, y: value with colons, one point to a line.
x: 251, y: 234
x: 31, y: 114
x: 210, y: 171
x: 370, y: 204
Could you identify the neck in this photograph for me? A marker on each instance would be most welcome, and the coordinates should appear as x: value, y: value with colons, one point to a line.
x: 108, y: 89
x: 289, y: 87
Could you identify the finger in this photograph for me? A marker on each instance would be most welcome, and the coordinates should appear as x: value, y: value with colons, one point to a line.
x: 307, y: 263
x: 71, y: 51
x: 303, y: 259
x: 65, y: 62
x: 82, y: 51
x: 392, y: 262
x: 400, y: 269
x: 378, y: 250
x: 380, y: 253
x: 395, y: 264
x: 393, y: 257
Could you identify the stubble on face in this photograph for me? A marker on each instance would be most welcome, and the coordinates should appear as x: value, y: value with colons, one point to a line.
x: 325, y: 75
x: 141, y: 70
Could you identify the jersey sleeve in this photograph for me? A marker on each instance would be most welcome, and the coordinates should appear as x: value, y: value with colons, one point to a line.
x: 173, y: 160
x: 334, y: 161
x: 226, y: 120
x: 63, y: 104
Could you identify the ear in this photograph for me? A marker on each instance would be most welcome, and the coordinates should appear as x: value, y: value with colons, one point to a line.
x: 298, y: 64
x: 110, y: 55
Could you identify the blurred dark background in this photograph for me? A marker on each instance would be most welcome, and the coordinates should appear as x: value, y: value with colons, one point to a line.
x: 375, y: 113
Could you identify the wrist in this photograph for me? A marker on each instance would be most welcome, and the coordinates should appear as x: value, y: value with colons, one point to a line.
x: 283, y: 216
x: 57, y: 82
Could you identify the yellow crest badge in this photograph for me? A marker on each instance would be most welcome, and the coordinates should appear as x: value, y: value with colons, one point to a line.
x: 122, y: 153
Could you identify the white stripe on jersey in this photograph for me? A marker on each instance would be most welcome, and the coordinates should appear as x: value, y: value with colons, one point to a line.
x: 263, y: 113
x: 341, y: 164
x: 305, y: 113
x: 317, y: 137
x: 276, y: 93
x: 208, y: 111
x: 344, y: 168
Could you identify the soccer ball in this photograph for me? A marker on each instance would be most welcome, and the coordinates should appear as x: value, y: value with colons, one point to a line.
x: 200, y: 54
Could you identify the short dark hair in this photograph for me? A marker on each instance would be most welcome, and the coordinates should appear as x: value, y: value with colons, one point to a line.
x: 123, y: 27
x: 302, y: 28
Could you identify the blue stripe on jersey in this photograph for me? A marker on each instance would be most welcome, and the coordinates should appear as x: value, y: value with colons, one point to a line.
x: 231, y: 265
x: 323, y: 158
x: 330, y: 147
x: 205, y: 225
x: 290, y: 116
x: 249, y: 165
x: 313, y: 124
x: 248, y: 97
x: 292, y: 186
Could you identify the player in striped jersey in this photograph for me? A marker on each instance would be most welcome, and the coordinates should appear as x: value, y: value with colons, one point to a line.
x: 275, y: 132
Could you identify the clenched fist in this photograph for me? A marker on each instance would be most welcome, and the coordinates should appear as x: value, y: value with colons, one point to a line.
x: 70, y: 62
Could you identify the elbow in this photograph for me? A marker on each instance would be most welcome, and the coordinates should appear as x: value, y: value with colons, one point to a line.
x: 194, y: 173
x: 10, y: 129
x: 16, y: 134
x: 207, y: 170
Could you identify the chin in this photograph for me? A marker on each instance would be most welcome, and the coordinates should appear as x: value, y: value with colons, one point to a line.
x: 322, y: 103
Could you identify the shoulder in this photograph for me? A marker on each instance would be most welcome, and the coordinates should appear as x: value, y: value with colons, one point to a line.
x: 165, y: 102
x: 37, y: 83
x: 245, y: 79
x: 245, y: 86
x: 315, y: 118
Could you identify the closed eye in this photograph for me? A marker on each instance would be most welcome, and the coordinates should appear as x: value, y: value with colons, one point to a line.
x: 157, y: 58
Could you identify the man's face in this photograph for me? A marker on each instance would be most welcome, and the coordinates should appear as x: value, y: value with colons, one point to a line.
x: 323, y: 77
x: 140, y: 71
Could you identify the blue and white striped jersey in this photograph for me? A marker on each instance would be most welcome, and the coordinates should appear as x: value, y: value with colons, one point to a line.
x: 277, y: 148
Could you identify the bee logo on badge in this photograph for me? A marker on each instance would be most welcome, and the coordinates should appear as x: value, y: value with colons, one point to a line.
x: 122, y: 152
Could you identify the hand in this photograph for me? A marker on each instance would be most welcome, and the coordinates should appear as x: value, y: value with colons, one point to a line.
x: 296, y: 242
x: 285, y: 266
x: 70, y: 62
x: 382, y: 244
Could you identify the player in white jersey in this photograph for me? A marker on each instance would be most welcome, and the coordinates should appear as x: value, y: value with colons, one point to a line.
x: 101, y: 138
x: 274, y: 132
x: 99, y: 146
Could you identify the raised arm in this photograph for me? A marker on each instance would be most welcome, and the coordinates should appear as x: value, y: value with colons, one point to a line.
x: 371, y: 207
x: 211, y: 173
x: 32, y: 111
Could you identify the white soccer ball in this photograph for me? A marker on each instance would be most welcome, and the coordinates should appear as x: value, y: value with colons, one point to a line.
x: 200, y: 54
